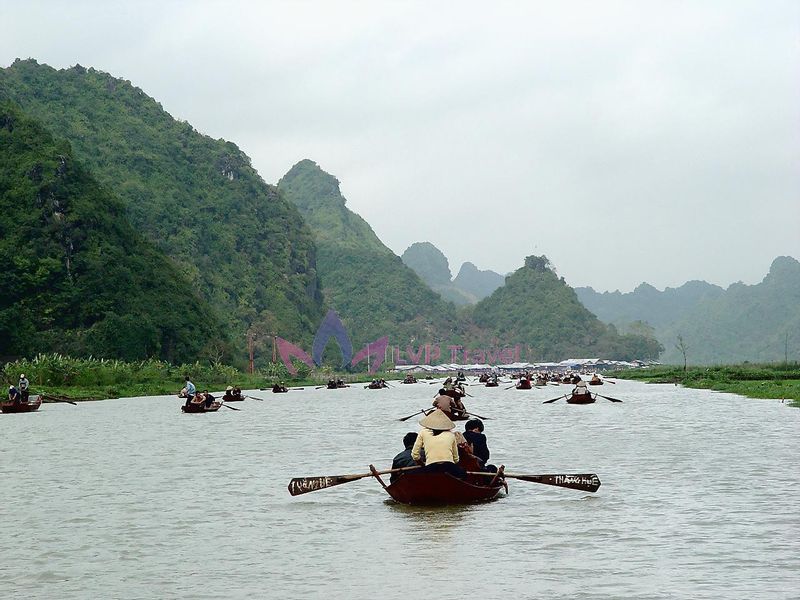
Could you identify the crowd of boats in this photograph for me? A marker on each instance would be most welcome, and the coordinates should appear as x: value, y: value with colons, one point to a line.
x: 439, y: 465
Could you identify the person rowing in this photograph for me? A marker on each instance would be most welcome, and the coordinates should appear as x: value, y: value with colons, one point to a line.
x: 580, y: 388
x: 23, y: 387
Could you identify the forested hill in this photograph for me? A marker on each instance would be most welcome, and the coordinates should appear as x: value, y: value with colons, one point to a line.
x: 479, y: 283
x: 374, y: 293
x: 241, y: 245
x: 432, y: 266
x: 648, y: 304
x: 541, y: 311
x: 427, y: 261
x: 76, y: 277
x: 756, y: 323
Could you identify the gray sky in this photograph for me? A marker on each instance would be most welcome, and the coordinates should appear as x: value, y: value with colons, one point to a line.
x: 628, y: 141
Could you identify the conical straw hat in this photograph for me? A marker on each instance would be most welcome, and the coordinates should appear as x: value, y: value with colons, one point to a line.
x: 437, y: 420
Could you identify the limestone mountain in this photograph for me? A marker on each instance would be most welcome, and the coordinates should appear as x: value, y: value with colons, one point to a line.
x: 428, y: 262
x: 646, y: 303
x: 432, y: 266
x: 77, y: 278
x: 756, y: 323
x: 541, y: 311
x: 373, y: 292
x: 477, y: 282
x: 236, y: 240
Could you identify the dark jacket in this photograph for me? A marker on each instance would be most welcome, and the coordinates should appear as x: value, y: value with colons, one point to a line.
x: 479, y: 447
x: 402, y: 460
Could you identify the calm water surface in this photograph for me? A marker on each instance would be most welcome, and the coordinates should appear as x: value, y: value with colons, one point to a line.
x: 132, y: 499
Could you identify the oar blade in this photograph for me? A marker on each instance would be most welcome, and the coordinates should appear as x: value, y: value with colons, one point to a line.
x: 584, y: 482
x: 553, y: 400
x: 609, y: 398
x: 304, y: 485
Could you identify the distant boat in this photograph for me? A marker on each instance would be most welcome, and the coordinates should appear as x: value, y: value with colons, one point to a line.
x: 32, y: 405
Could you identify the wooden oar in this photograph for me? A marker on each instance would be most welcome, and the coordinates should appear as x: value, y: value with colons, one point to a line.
x: 303, y: 485
x: 511, y: 386
x: 320, y: 387
x: 607, y: 398
x: 586, y: 483
x: 232, y: 408
x: 472, y: 414
x: 57, y: 399
x: 554, y: 399
x: 409, y: 416
x: 254, y: 398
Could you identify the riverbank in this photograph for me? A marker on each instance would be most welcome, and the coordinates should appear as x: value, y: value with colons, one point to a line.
x: 98, y: 379
x: 780, y: 382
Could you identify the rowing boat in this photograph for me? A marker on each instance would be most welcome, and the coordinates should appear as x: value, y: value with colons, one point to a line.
x: 581, y: 399
x: 437, y: 488
x: 201, y: 407
x: 32, y: 405
x: 524, y: 384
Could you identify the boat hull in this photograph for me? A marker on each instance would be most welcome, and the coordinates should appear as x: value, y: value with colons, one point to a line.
x: 581, y: 399
x: 201, y: 408
x: 434, y: 489
x: 33, y: 404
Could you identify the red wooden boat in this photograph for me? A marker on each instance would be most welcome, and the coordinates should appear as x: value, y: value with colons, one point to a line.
x: 438, y: 489
x: 201, y: 407
x: 524, y: 384
x: 32, y: 405
x: 491, y: 384
x: 581, y: 399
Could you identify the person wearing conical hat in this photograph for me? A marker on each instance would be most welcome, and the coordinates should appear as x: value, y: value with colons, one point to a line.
x: 439, y: 444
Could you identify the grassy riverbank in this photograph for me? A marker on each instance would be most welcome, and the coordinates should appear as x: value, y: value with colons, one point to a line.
x: 97, y: 379
x: 778, y: 381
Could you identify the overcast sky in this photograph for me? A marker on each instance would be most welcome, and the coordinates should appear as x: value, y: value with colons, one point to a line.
x: 628, y: 141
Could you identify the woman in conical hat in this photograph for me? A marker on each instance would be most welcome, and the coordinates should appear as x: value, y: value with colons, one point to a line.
x: 438, y: 442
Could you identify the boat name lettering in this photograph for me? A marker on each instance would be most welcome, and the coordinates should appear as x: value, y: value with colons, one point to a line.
x: 309, y: 484
x: 576, y: 479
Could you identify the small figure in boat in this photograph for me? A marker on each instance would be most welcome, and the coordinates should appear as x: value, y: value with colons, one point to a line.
x: 332, y: 384
x: 237, y: 392
x: 340, y: 383
x: 410, y: 379
x: 279, y: 388
x: 188, y: 391
x: 460, y: 376
x: 205, y: 397
x: 403, y: 459
x: 595, y: 380
x: 23, y: 387
x: 580, y: 388
x: 438, y: 442
x: 473, y: 433
x: 14, y: 395
x: 445, y: 404
x: 448, y: 383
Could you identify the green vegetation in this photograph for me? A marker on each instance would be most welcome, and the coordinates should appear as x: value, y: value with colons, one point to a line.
x: 236, y: 241
x: 538, y: 309
x: 780, y: 381
x: 76, y: 276
x: 96, y: 379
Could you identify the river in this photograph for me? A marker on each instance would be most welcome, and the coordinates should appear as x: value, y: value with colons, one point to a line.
x: 132, y: 499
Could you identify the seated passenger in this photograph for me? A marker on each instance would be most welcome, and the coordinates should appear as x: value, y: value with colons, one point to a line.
x: 473, y: 433
x: 580, y: 388
x: 228, y: 395
x: 439, y: 444
x: 403, y: 459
